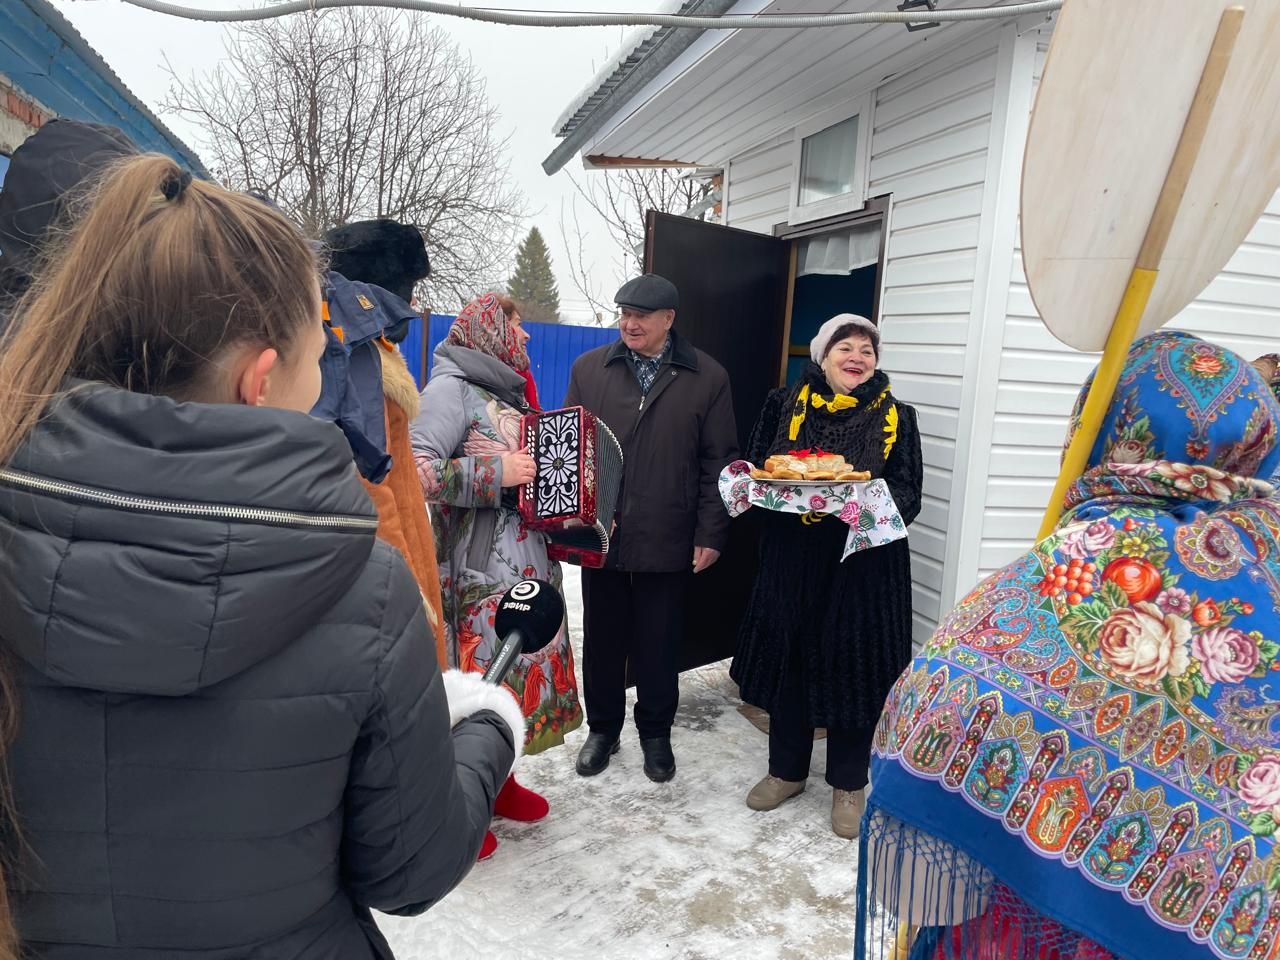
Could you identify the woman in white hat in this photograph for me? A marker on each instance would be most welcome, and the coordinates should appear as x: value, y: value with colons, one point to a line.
x: 823, y: 641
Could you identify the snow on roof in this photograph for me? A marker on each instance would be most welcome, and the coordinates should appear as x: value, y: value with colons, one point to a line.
x: 634, y: 49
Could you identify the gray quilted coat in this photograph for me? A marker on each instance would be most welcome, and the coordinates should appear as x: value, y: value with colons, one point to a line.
x: 470, y: 417
x: 234, y: 738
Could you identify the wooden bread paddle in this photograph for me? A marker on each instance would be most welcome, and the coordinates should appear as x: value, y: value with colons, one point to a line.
x: 1153, y: 149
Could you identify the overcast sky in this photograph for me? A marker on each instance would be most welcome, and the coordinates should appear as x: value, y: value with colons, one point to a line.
x: 532, y: 75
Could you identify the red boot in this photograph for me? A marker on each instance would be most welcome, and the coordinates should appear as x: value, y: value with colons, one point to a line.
x: 519, y: 803
x: 490, y: 844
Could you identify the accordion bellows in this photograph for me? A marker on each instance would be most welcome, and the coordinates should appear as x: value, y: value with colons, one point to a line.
x: 574, y: 496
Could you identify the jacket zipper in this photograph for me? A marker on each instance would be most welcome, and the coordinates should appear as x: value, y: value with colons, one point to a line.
x: 644, y: 397
x: 75, y: 491
x: 626, y: 495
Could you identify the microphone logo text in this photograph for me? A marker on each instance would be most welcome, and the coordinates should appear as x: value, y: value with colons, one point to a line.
x: 525, y: 590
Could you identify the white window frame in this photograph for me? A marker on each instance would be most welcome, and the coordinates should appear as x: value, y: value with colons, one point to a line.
x: 856, y: 199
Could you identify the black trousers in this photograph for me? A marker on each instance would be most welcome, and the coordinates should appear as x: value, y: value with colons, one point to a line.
x: 791, y: 748
x: 634, y: 619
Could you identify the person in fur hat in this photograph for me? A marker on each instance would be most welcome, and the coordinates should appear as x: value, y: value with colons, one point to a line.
x: 393, y: 256
x: 385, y: 253
x: 377, y: 263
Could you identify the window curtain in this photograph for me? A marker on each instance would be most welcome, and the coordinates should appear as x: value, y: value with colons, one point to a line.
x: 839, y: 254
x: 828, y: 159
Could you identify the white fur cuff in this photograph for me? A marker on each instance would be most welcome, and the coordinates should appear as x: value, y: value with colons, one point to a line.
x: 468, y: 694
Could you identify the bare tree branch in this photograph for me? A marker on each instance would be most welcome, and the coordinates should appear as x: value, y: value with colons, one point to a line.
x: 579, y: 269
x: 360, y: 113
x: 622, y: 198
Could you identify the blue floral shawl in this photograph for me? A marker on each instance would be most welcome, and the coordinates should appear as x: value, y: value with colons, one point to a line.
x: 1093, y: 730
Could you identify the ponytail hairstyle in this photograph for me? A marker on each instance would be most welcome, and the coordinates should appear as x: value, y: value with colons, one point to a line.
x: 158, y: 279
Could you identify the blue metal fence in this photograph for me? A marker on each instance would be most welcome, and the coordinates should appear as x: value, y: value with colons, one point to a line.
x: 415, y: 353
x: 553, y: 347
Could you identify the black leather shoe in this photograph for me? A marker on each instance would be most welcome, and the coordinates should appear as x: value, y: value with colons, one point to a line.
x: 595, y: 753
x: 659, y: 761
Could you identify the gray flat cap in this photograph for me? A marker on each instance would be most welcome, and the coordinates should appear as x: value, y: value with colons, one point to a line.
x: 648, y: 293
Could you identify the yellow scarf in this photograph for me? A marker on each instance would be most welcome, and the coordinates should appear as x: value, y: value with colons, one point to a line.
x: 835, y: 404
x: 890, y: 429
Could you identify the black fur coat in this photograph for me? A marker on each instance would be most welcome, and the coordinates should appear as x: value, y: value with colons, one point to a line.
x: 826, y: 637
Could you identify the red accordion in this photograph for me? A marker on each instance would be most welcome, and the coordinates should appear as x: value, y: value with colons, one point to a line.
x: 573, y: 497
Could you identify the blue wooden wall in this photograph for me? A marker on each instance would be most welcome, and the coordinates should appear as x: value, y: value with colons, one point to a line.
x: 552, y: 349
x: 44, y: 56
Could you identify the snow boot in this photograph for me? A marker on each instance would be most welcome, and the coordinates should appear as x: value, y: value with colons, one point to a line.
x: 659, y: 761
x: 847, y: 807
x: 519, y: 803
x: 595, y: 753
x: 772, y: 792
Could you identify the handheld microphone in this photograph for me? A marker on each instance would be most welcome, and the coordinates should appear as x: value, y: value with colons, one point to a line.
x: 529, y: 617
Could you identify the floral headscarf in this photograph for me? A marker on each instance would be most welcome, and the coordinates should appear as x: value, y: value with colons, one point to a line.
x: 1188, y: 420
x: 1095, y: 725
x: 481, y: 325
x: 1269, y: 366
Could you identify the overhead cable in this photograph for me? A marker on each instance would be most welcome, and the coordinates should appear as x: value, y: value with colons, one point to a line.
x: 516, y: 18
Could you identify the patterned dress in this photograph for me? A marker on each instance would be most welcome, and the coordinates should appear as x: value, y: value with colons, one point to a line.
x: 1084, y: 761
x: 471, y: 417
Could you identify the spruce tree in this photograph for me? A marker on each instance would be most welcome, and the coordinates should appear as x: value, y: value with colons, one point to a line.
x: 533, y: 285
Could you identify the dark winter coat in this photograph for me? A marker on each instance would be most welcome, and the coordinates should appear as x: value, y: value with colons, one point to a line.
x: 675, y: 442
x: 827, y: 636
x: 47, y: 172
x: 234, y: 737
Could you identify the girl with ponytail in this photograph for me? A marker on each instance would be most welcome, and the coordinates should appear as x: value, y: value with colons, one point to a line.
x: 225, y: 731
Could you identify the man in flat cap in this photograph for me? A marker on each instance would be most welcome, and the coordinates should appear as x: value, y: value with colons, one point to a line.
x: 671, y: 409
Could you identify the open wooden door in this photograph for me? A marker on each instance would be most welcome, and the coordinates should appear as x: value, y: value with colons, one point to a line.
x: 733, y: 293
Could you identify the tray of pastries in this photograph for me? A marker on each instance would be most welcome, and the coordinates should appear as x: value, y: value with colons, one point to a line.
x: 809, y: 468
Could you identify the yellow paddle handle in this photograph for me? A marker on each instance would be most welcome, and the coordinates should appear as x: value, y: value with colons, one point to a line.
x: 900, y: 949
x: 1121, y: 338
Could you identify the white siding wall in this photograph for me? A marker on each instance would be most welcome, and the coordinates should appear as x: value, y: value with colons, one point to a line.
x: 1015, y: 493
x: 931, y: 129
x: 930, y: 135
x: 759, y: 184
x: 1039, y: 379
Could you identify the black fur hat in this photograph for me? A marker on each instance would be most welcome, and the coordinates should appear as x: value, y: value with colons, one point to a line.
x: 385, y: 253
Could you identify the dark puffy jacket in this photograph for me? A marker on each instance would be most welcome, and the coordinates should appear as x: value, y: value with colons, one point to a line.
x: 234, y: 737
x: 675, y: 442
x: 45, y: 175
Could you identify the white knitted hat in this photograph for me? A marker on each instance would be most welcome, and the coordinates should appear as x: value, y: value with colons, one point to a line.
x: 818, y: 345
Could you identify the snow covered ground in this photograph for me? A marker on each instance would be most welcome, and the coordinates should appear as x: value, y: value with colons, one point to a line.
x: 626, y: 868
